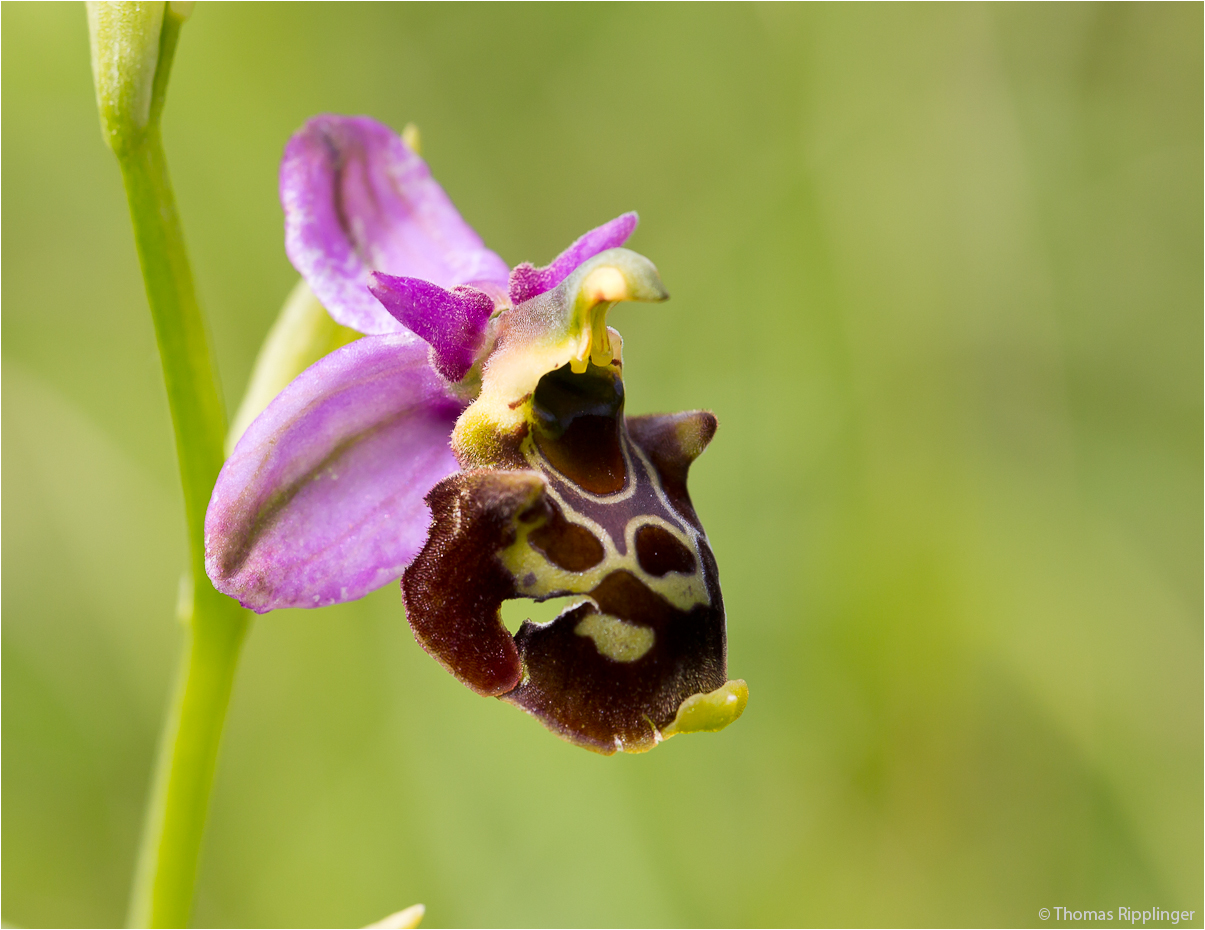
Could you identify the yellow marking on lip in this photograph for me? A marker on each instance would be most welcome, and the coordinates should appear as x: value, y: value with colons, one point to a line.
x: 616, y: 639
x: 523, y: 561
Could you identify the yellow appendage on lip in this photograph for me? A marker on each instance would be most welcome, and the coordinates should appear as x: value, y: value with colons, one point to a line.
x: 710, y: 712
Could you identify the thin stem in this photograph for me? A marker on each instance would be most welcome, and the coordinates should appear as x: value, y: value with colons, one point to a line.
x: 198, y: 414
x: 176, y: 814
x: 216, y: 625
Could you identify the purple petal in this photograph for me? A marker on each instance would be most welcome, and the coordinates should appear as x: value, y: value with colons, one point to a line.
x: 322, y: 499
x: 453, y: 322
x: 527, y: 281
x: 356, y: 200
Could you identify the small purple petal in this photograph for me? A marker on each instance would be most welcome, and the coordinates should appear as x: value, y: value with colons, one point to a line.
x: 453, y: 322
x: 527, y: 281
x: 356, y: 200
x: 322, y: 499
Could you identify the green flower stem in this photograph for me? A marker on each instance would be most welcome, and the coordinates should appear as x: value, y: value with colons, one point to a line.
x: 198, y: 414
x: 215, y: 624
x: 175, y: 821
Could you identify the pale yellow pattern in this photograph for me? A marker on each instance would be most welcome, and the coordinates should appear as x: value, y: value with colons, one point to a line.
x: 683, y: 591
x: 616, y: 639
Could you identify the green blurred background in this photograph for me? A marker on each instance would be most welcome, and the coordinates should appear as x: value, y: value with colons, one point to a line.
x: 938, y: 269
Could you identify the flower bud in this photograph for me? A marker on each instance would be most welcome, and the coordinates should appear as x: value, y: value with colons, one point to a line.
x: 130, y: 42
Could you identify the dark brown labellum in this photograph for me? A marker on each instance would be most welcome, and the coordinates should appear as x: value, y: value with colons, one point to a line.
x: 602, y: 511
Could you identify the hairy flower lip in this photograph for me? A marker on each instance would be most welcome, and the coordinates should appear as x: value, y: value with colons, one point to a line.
x: 642, y: 656
x: 560, y: 494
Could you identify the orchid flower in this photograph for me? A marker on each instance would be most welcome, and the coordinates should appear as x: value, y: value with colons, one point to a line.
x: 473, y: 442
